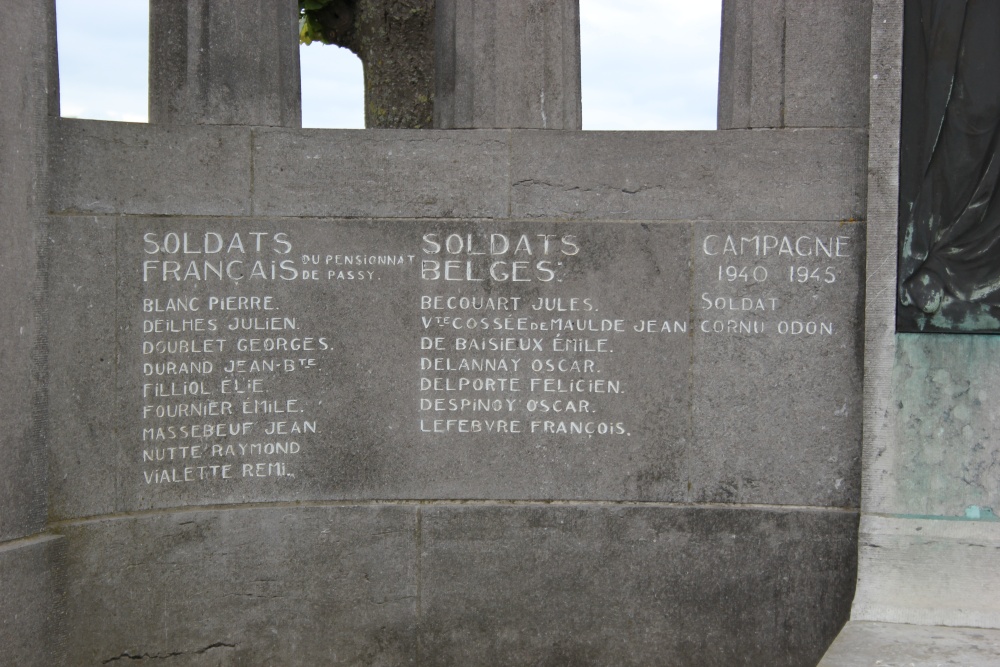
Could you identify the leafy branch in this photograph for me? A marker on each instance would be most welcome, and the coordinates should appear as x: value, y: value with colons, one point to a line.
x: 328, y: 22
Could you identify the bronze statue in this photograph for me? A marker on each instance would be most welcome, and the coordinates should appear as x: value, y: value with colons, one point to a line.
x: 949, y: 205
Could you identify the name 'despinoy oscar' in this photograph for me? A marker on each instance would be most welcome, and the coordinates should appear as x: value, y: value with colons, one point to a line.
x: 497, y: 257
x: 211, y: 256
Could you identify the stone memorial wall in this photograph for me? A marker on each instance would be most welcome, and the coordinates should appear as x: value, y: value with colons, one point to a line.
x: 515, y: 360
x: 612, y: 414
x: 485, y: 396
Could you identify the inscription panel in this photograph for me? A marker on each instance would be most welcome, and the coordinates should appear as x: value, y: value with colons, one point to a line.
x: 371, y: 359
x: 777, y: 399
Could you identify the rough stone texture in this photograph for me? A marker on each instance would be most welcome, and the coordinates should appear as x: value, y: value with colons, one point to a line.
x: 31, y: 618
x: 395, y: 43
x: 632, y: 586
x: 751, y: 64
x: 370, y: 443
x: 262, y: 574
x: 916, y: 566
x: 279, y: 585
x: 513, y: 64
x: 224, y: 62
x: 947, y: 457
x: 102, y: 168
x: 794, y: 64
x: 384, y: 173
x: 892, y: 645
x: 443, y: 562
x: 811, y: 174
x: 733, y: 103
x: 24, y: 105
x: 777, y: 364
x: 366, y: 449
x: 84, y: 452
x: 927, y: 546
x: 827, y: 47
x: 880, y: 270
x: 585, y: 585
x: 787, y: 175
x: 928, y: 571
x: 693, y: 428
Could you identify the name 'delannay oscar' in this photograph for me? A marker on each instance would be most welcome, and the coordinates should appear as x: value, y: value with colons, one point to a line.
x: 212, y: 256
x: 497, y: 257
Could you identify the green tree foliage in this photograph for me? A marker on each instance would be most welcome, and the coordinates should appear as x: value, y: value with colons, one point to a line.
x: 325, y: 21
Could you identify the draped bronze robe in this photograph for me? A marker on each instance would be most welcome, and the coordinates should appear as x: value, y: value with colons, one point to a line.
x: 949, y: 215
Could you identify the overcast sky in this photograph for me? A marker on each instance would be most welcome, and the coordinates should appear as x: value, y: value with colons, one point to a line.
x: 647, y: 65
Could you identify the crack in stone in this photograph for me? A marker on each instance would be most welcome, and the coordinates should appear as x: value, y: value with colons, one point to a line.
x: 166, y: 656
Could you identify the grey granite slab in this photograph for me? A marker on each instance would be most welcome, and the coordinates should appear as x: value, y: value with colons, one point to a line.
x: 337, y: 359
x: 378, y: 359
x: 799, y: 175
x: 827, y: 51
x: 113, y: 168
x: 794, y: 64
x: 27, y: 75
x: 32, y: 626
x: 504, y: 65
x: 384, y: 173
x: 558, y: 585
x: 86, y: 458
x: 255, y: 586
x: 867, y: 643
x: 224, y: 62
x: 777, y: 362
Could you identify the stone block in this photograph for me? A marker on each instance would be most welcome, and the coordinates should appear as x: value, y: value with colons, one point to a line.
x: 444, y: 359
x: 26, y: 72
x: 32, y: 627
x: 514, y: 64
x: 794, y: 64
x: 589, y: 585
x: 124, y: 168
x: 866, y: 643
x: 928, y: 571
x: 883, y: 247
x: 85, y: 454
x: 734, y: 79
x: 388, y: 173
x: 340, y: 377
x: 827, y: 48
x: 280, y: 585
x: 777, y: 364
x: 783, y: 175
x: 945, y: 418
x: 752, y: 64
x: 224, y: 62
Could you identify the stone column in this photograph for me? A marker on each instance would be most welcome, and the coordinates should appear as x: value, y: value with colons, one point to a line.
x: 27, y: 74
x: 224, y: 62
x: 794, y: 63
x: 510, y: 64
x: 30, y: 624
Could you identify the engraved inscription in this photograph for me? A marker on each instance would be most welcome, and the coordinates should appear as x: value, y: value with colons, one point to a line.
x: 756, y: 269
x: 320, y: 355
